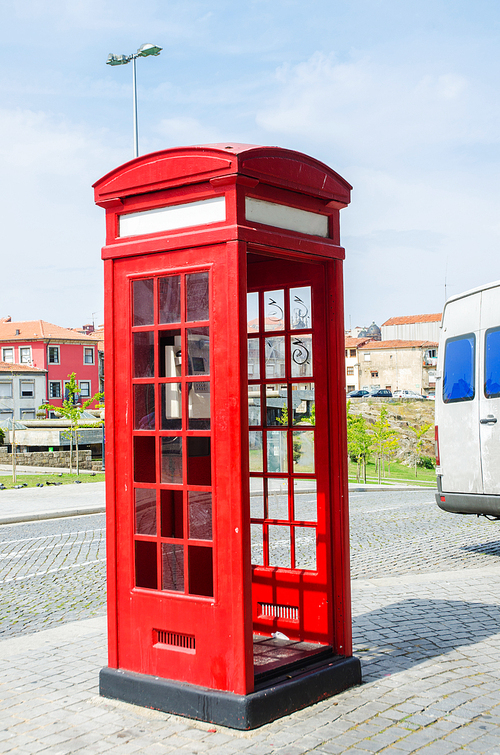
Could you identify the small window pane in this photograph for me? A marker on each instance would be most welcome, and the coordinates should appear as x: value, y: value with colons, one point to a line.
x: 143, y: 302
x: 256, y: 498
x: 199, y: 462
x: 301, y: 354
x: 275, y: 357
x: 277, y: 498
x: 171, y: 460
x: 253, y: 312
x: 277, y: 458
x: 145, y: 511
x: 492, y: 364
x: 172, y: 567
x: 144, y: 407
x: 144, y: 459
x: 172, y: 516
x: 300, y: 308
x: 6, y: 390
x: 197, y: 297
x: 257, y: 544
x: 303, y: 404
x: 201, y: 572
x: 276, y: 405
x: 458, y: 378
x: 145, y: 565
x: 171, y: 414
x: 279, y: 546
x: 170, y: 344
x: 144, y: 354
x: 200, y: 515
x: 274, y: 310
x: 255, y: 448
x: 254, y: 414
x: 253, y: 359
x: 199, y: 405
x: 198, y: 351
x: 305, y: 501
x: 305, y: 548
x: 170, y: 299
x: 303, y: 451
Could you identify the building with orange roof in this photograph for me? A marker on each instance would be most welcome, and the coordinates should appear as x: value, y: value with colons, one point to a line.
x: 22, y: 390
x: 398, y: 364
x: 352, y: 362
x: 412, y: 328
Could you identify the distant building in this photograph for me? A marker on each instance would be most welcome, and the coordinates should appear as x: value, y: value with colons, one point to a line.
x: 398, y: 365
x: 373, y: 332
x: 22, y: 390
x: 412, y: 328
x: 352, y: 362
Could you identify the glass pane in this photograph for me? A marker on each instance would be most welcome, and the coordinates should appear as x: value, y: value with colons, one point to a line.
x: 458, y: 373
x: 170, y: 343
x: 171, y: 460
x: 492, y: 364
x: 280, y: 551
x: 300, y: 308
x: 276, y: 451
x: 198, y: 351
x: 253, y: 312
x: 172, y: 567
x: 200, y: 515
x: 257, y: 544
x: 171, y: 406
x: 303, y: 451
x: 145, y: 565
x: 144, y: 459
x: 303, y: 404
x: 253, y: 359
x: 199, y: 405
x: 275, y: 357
x: 274, y: 310
x: 143, y: 304
x: 197, y: 297
x: 199, y: 462
x: 201, y: 572
x: 145, y: 511
x: 170, y: 299
x: 305, y: 548
x: 277, y: 498
x: 301, y: 353
x: 256, y: 498
x: 255, y: 447
x: 305, y: 501
x: 254, y: 413
x: 144, y: 407
x: 171, y: 513
x: 276, y: 405
x: 144, y: 354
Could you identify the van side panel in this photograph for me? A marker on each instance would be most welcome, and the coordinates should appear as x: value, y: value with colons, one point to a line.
x: 489, y: 390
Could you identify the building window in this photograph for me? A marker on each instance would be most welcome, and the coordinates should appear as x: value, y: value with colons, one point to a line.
x: 353, y: 353
x: 432, y: 353
x: 350, y: 388
x: 374, y: 373
x: 53, y: 354
x: 88, y: 355
x: 27, y: 388
x: 27, y: 414
x: 8, y: 355
x: 367, y: 356
x: 84, y: 388
x: 25, y: 355
x: 346, y: 353
x: 6, y: 389
x: 350, y: 370
x: 54, y: 389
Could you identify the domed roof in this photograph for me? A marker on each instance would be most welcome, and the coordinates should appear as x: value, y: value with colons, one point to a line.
x: 372, y: 332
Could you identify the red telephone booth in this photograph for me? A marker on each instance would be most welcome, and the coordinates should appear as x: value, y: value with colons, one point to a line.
x: 227, y: 510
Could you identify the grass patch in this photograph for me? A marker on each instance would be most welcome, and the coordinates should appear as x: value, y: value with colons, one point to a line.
x: 34, y: 480
x: 399, y: 473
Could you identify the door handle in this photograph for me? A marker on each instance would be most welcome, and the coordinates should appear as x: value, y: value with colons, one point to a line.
x: 489, y: 420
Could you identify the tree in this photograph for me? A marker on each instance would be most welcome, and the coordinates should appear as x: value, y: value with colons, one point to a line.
x: 358, y: 441
x: 72, y: 411
x: 384, y: 440
x: 419, y: 431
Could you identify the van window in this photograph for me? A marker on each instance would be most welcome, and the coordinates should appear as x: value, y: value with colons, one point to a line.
x: 458, y: 377
x: 492, y: 363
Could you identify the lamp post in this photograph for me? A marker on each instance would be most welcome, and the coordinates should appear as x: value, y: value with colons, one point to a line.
x: 144, y: 51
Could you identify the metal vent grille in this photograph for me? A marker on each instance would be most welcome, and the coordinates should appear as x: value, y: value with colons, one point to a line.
x: 174, y: 639
x: 276, y: 611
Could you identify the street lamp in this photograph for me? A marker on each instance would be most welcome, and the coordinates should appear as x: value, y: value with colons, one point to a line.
x: 144, y: 51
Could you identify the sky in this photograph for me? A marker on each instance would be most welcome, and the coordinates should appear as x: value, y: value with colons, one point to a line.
x: 399, y: 97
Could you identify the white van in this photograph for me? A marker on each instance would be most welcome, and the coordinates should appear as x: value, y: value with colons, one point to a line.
x: 468, y: 404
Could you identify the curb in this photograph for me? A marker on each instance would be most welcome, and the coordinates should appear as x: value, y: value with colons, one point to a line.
x: 56, y: 514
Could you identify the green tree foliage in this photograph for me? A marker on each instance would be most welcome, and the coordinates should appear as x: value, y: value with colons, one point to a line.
x: 384, y: 440
x: 358, y: 442
x: 419, y: 431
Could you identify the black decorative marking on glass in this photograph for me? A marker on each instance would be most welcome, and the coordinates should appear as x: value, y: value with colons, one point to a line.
x: 300, y: 318
x: 300, y: 355
x: 278, y: 314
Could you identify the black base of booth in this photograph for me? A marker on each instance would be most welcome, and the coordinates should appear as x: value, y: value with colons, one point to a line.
x: 274, y: 697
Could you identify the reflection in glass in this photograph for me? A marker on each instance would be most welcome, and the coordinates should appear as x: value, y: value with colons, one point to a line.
x: 257, y: 544
x: 254, y: 415
x: 197, y: 297
x: 144, y: 407
x: 145, y: 564
x: 305, y: 548
x: 300, y: 308
x: 305, y: 502
x: 277, y: 498
x: 170, y: 299
x: 253, y: 359
x: 256, y: 498
x: 199, y: 405
x: 198, y: 351
x: 143, y: 302
x: 144, y: 354
x: 172, y: 567
x: 200, y: 515
x: 274, y: 310
x: 253, y: 312
x: 255, y: 448
x: 303, y: 451
x: 280, y: 551
x: 301, y: 353
x: 145, y: 511
x: 171, y: 460
x: 303, y: 404
x: 171, y: 406
x: 171, y: 513
x: 275, y: 357
x: 170, y: 345
x: 276, y: 405
x: 144, y: 459
x: 199, y: 461
x: 276, y: 451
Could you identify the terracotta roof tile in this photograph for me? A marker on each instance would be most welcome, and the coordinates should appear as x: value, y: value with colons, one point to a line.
x: 8, y: 367
x: 398, y: 344
x: 410, y: 319
x: 38, y: 330
x: 351, y: 343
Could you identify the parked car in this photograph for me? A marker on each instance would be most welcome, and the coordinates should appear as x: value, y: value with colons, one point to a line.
x: 358, y: 394
x: 381, y: 393
x: 408, y: 394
